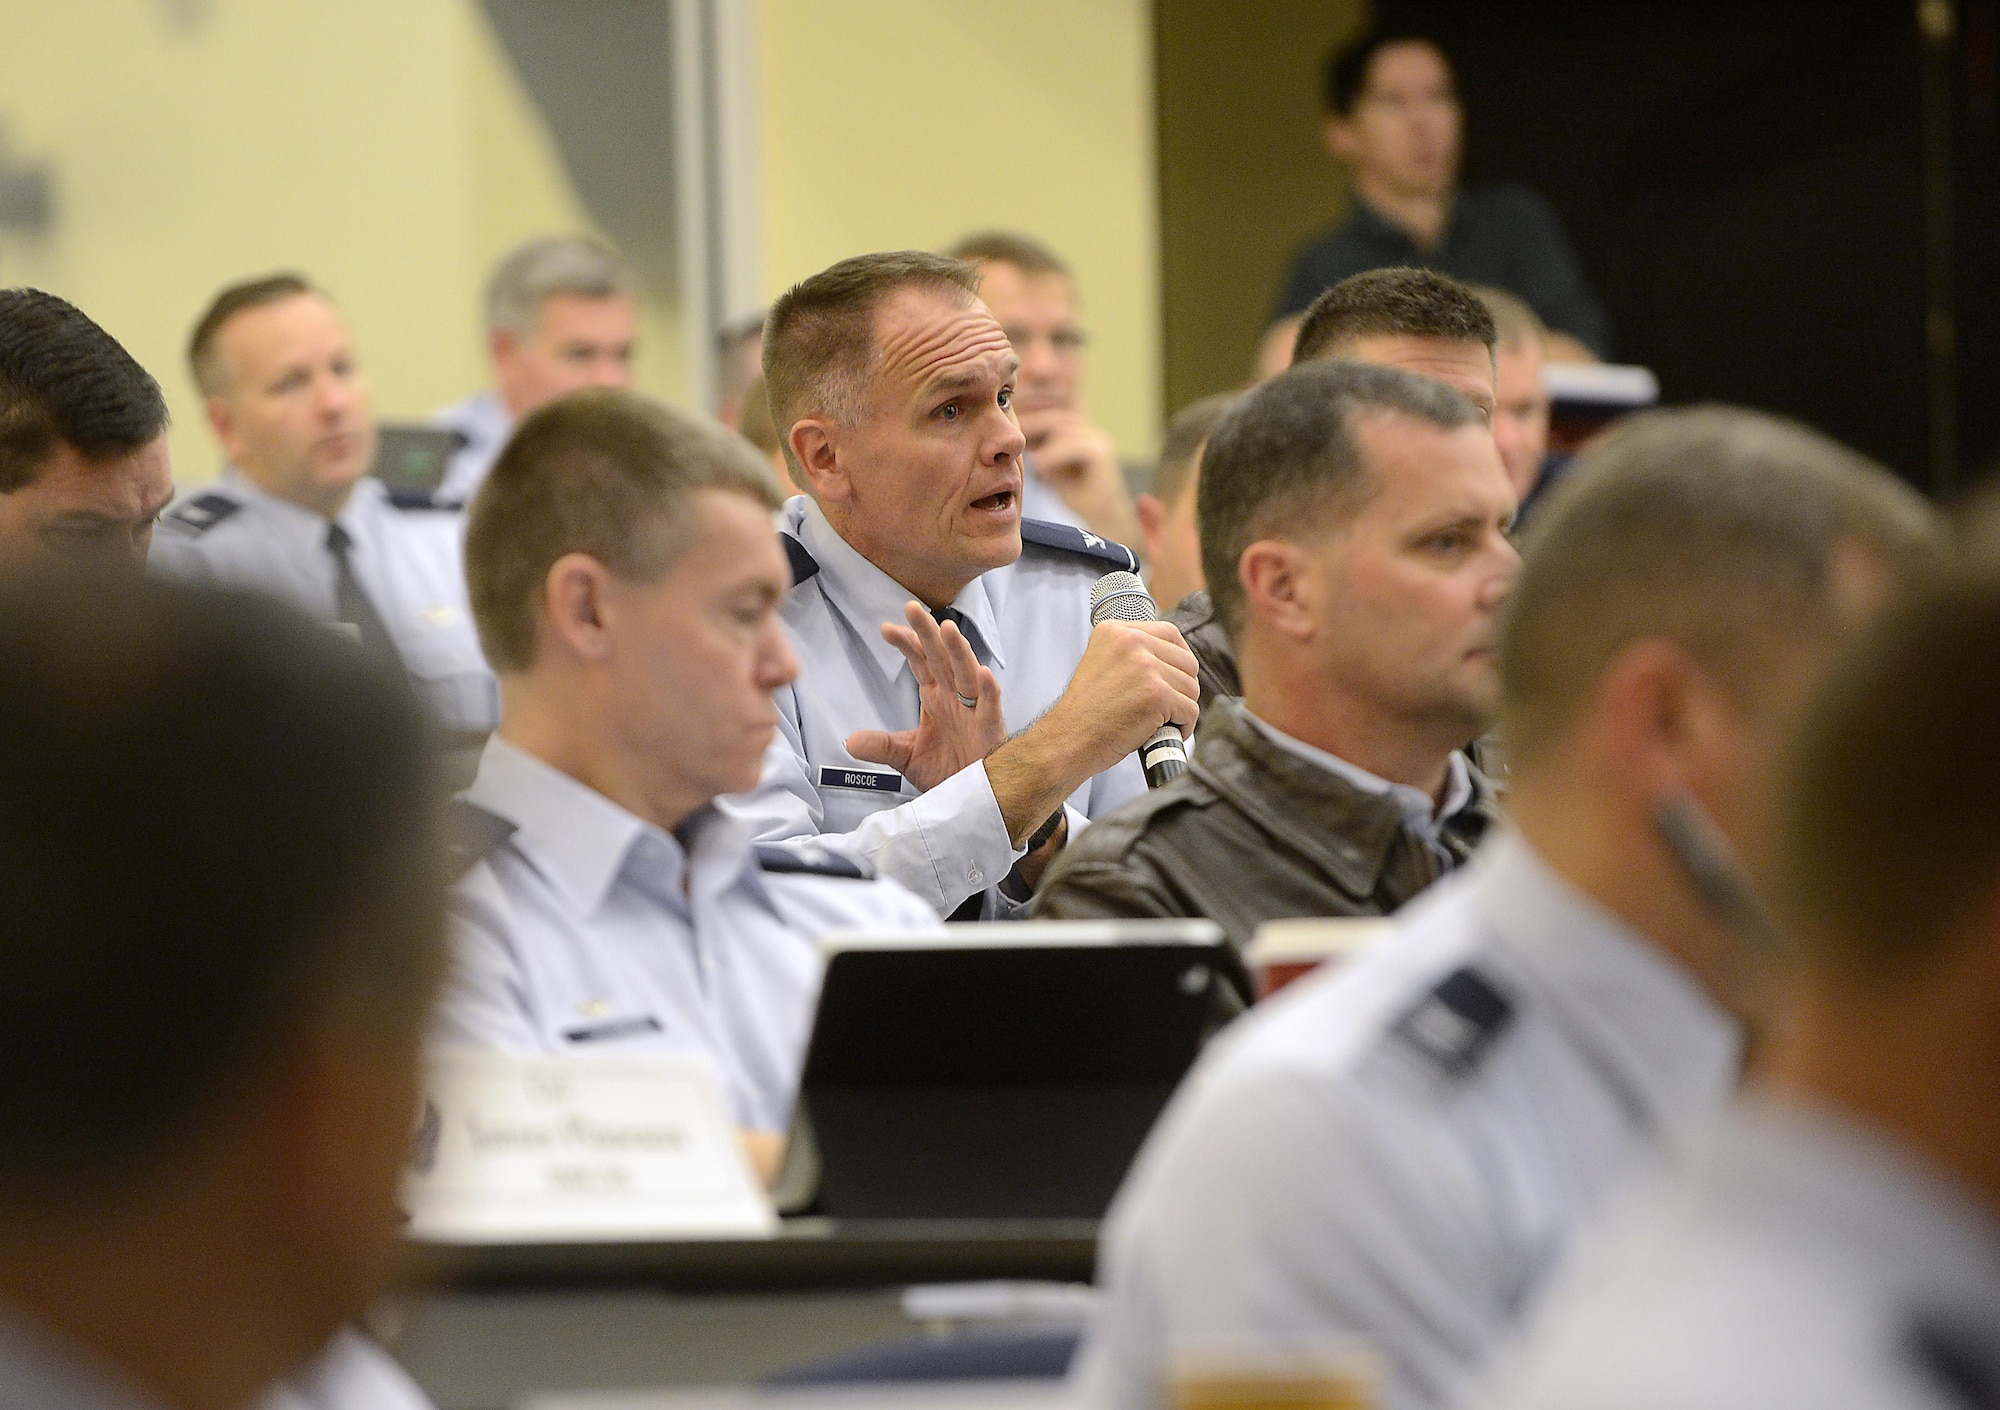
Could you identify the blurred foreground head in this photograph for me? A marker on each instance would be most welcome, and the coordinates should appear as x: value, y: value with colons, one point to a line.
x: 1679, y: 602
x: 1890, y: 862
x: 224, y: 933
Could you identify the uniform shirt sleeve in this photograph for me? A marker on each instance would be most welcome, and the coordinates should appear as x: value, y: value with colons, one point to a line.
x: 1281, y: 1210
x: 944, y: 845
x: 485, y: 1004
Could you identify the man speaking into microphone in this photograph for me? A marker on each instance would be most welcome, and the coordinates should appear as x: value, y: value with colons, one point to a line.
x: 958, y: 715
x: 1354, y: 536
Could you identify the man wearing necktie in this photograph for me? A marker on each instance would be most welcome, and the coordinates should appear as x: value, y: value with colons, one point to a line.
x: 956, y: 716
x: 296, y: 513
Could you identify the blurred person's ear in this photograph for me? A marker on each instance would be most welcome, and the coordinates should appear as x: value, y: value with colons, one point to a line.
x: 1152, y: 519
x: 816, y: 448
x: 1340, y: 138
x: 1667, y: 728
x: 501, y: 346
x: 221, y: 417
x: 341, y: 1112
x: 1274, y: 350
x: 1275, y: 577
x: 573, y: 594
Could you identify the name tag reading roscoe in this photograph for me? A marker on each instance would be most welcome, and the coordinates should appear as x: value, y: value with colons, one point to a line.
x: 571, y: 1148
x: 875, y: 780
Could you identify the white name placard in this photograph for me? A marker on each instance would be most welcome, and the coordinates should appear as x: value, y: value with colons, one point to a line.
x: 516, y: 1148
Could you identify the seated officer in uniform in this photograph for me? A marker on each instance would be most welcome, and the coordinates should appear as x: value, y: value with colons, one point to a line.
x: 211, y: 1067
x: 626, y: 583
x: 297, y: 515
x: 1354, y: 522
x: 83, y: 439
x: 560, y: 316
x: 1402, y: 1150
x: 1412, y: 319
x: 1835, y: 1243
x: 955, y: 716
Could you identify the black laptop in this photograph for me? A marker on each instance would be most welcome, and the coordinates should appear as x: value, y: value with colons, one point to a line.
x: 996, y: 1071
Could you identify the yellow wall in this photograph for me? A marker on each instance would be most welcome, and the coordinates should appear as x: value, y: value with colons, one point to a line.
x: 381, y: 146
x: 1239, y: 130
x: 891, y: 124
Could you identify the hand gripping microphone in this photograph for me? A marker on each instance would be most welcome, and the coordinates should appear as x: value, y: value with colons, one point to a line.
x: 1121, y: 597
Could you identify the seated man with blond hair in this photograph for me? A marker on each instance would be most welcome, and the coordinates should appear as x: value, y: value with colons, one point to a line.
x: 627, y: 584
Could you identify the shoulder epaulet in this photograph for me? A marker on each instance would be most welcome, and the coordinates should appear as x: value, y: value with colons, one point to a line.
x: 810, y: 859
x: 203, y: 513
x: 421, y: 499
x: 1049, y: 534
x: 1457, y: 1023
x: 804, y: 565
x: 470, y: 834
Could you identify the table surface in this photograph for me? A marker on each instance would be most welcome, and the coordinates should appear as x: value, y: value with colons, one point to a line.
x: 806, y: 1254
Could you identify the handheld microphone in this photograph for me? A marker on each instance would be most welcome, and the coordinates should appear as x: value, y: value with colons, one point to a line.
x: 1121, y: 597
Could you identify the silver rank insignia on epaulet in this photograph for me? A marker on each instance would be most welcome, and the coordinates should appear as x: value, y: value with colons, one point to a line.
x: 1456, y: 1023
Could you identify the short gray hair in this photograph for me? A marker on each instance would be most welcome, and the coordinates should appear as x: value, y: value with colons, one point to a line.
x: 1286, y: 458
x: 819, y: 337
x: 549, y: 265
x: 1715, y: 528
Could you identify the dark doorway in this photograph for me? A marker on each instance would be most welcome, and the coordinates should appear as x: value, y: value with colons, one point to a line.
x: 1745, y: 184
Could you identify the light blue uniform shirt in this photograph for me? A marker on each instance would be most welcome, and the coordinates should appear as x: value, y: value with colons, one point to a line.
x: 484, y: 423
x: 1801, y: 1259
x: 38, y: 1369
x: 1030, y: 623
x: 589, y: 929
x: 410, y: 562
x: 1402, y: 1150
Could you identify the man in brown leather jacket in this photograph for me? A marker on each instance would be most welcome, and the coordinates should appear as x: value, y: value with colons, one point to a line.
x: 1353, y: 526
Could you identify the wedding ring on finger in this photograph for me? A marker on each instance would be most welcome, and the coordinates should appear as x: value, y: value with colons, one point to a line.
x: 967, y: 701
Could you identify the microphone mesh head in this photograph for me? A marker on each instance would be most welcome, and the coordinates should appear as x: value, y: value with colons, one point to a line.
x: 1121, y: 597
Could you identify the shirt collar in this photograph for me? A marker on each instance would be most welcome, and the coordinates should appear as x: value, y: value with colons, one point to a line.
x: 1422, y: 814
x: 585, y: 843
x: 868, y: 597
x: 1663, y: 1042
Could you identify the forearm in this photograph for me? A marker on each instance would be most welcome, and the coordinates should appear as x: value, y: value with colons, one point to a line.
x: 1032, y: 773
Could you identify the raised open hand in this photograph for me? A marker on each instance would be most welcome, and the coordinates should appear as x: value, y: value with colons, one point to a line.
x: 950, y: 734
